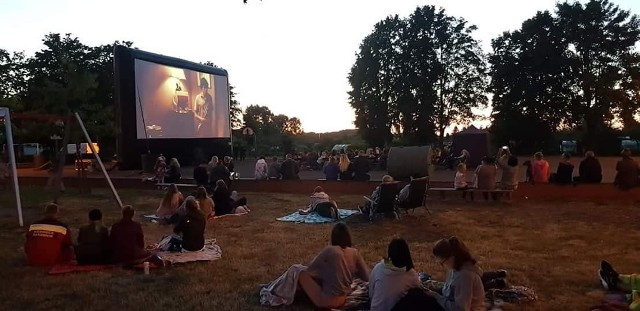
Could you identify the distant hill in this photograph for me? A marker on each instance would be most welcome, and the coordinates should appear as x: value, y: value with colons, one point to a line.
x: 327, y: 140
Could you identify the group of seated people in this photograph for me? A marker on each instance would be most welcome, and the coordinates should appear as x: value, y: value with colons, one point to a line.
x: 167, y: 173
x: 393, y: 283
x: 335, y: 168
x: 486, y: 174
x: 208, y: 173
x: 173, y: 205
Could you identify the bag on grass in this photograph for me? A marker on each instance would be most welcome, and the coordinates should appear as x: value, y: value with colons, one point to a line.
x: 328, y: 210
x: 171, y: 243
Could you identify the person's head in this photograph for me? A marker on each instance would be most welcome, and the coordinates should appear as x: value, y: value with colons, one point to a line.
x: 262, y: 157
x: 128, y: 212
x: 566, y: 156
x: 626, y: 152
x: 221, y: 184
x: 538, y: 156
x: 51, y: 210
x: 204, y: 84
x: 214, y: 160
x: 387, y: 179
x: 95, y: 215
x: 590, y: 154
x: 399, y: 254
x: 462, y: 168
x: 361, y: 153
x: 486, y: 160
x: 227, y: 159
x: 201, y: 193
x: 173, y: 189
x: 274, y: 159
x: 318, y: 189
x: 452, y: 253
x: 340, y: 235
x: 288, y: 157
x: 174, y: 162
x: 191, y: 206
x: 512, y: 161
x: 344, y: 162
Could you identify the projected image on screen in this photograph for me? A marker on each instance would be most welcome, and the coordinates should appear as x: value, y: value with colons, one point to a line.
x: 180, y: 103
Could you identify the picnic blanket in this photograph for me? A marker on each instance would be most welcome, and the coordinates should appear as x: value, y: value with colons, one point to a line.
x: 74, y: 267
x: 314, y: 218
x: 210, y: 252
x: 282, y: 290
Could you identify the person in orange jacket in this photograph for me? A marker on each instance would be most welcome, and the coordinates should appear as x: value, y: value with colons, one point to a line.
x: 49, y: 240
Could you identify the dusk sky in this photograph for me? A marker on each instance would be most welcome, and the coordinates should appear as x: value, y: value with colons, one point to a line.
x: 290, y: 55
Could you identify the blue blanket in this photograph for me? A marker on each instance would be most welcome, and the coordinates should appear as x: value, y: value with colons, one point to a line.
x: 314, y: 218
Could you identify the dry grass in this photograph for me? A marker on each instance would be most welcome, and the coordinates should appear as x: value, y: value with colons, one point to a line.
x: 554, y: 248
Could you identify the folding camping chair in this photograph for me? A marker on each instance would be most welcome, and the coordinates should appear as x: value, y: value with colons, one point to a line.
x: 417, y: 195
x: 386, y: 200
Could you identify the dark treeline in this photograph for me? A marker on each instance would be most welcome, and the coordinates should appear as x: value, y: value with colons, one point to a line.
x: 572, y: 70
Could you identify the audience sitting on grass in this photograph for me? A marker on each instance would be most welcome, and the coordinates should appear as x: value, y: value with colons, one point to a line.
x: 93, y: 241
x: 227, y: 202
x: 218, y: 171
x: 48, y: 240
x: 628, y: 171
x: 539, y: 168
x: 371, y: 205
x: 485, y: 177
x: 564, y: 174
x: 201, y: 174
x: 508, y: 164
x: 463, y: 288
x: 191, y: 227
x: 170, y: 203
x: 207, y: 207
x: 590, y: 170
x: 460, y: 180
x: 331, y: 169
x: 628, y: 284
x: 261, y: 170
x: 127, y: 241
x: 289, y: 169
x: 327, y: 280
x: 274, y: 169
x: 361, y: 167
x: 172, y: 175
x: 392, y: 277
x: 346, y: 169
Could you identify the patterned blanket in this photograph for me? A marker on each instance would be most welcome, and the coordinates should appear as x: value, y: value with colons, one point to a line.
x: 314, y: 218
x: 210, y: 252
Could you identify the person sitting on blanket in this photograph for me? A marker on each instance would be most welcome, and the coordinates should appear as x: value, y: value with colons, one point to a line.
x: 127, y: 241
x: 327, y: 280
x: 191, y: 227
x: 93, y: 241
x: 371, y: 204
x: 627, y: 283
x: 48, y: 240
x: 227, y: 202
x: 207, y: 207
x: 463, y: 288
x: 170, y: 202
x: 318, y: 196
x: 392, y: 277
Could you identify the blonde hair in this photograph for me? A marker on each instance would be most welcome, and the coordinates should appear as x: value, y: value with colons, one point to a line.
x: 344, y: 162
x: 461, y: 167
x: 387, y: 179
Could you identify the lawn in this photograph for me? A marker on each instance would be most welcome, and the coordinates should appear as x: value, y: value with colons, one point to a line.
x: 554, y: 248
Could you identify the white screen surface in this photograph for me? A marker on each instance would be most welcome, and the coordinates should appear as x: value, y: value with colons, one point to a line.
x: 180, y: 103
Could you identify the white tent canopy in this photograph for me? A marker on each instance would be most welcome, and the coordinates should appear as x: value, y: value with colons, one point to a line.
x: 4, y: 114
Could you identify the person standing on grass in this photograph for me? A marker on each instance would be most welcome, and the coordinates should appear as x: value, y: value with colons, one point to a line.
x: 49, y: 240
x: 126, y: 241
x: 93, y: 241
x: 327, y: 280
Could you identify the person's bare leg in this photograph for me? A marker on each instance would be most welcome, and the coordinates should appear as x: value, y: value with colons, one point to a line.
x: 314, y: 291
x: 240, y: 210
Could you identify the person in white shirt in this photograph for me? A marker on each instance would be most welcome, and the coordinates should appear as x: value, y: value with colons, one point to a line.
x: 460, y: 181
x: 393, y: 277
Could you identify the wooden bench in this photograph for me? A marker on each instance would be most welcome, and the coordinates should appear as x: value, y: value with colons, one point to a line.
x: 442, y: 192
x: 164, y: 185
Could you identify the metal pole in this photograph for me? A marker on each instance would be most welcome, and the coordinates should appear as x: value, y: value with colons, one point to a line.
x: 12, y: 160
x: 104, y: 171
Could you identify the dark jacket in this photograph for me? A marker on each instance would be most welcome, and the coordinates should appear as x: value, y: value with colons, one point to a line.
x: 564, y: 174
x: 331, y: 171
x: 289, y: 170
x: 348, y: 174
x: 200, y: 175
x: 219, y: 172
x: 274, y: 171
x: 628, y: 171
x: 191, y: 226
x: 223, y: 202
x: 93, y: 245
x: 590, y: 170
x: 126, y: 242
x: 361, y: 168
x: 172, y: 175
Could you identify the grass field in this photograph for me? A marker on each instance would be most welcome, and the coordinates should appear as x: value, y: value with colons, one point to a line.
x: 554, y: 248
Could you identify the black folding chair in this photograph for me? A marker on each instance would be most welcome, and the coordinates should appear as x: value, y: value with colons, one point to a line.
x: 386, y: 200
x: 417, y: 195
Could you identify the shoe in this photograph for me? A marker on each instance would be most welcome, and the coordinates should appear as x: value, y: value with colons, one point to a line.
x: 608, y: 276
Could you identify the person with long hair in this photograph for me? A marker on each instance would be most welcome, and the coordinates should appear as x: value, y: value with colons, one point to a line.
x: 93, y: 241
x: 331, y: 169
x: 173, y: 174
x: 327, y: 280
x: 463, y: 288
x: 346, y: 171
x: 170, y: 203
x: 207, y: 207
x: 392, y: 277
x: 227, y: 202
x: 191, y: 227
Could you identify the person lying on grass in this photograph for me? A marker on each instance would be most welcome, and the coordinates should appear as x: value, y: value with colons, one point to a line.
x: 626, y: 283
x: 93, y: 241
x: 320, y: 203
x: 327, y: 280
x: 49, y: 240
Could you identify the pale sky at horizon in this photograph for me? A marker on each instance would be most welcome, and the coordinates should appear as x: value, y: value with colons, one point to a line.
x: 292, y: 56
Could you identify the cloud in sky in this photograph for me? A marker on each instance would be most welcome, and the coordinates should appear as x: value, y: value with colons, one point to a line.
x: 290, y: 55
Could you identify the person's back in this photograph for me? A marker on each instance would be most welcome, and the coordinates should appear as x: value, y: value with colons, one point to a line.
x: 465, y: 282
x: 627, y: 172
x: 201, y: 175
x: 590, y: 170
x: 274, y: 169
x: 509, y: 167
x: 564, y: 174
x: 337, y: 267
x: 222, y: 201
x: 289, y: 169
x: 361, y: 168
x: 207, y: 207
x: 127, y: 239
x: 219, y: 172
x: 332, y: 171
x: 393, y: 277
x: 170, y: 203
x: 48, y: 240
x: 486, y: 176
x: 93, y: 241
x: 540, y: 171
x: 192, y: 226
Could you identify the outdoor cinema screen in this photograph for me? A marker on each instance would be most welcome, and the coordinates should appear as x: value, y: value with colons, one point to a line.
x: 180, y: 103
